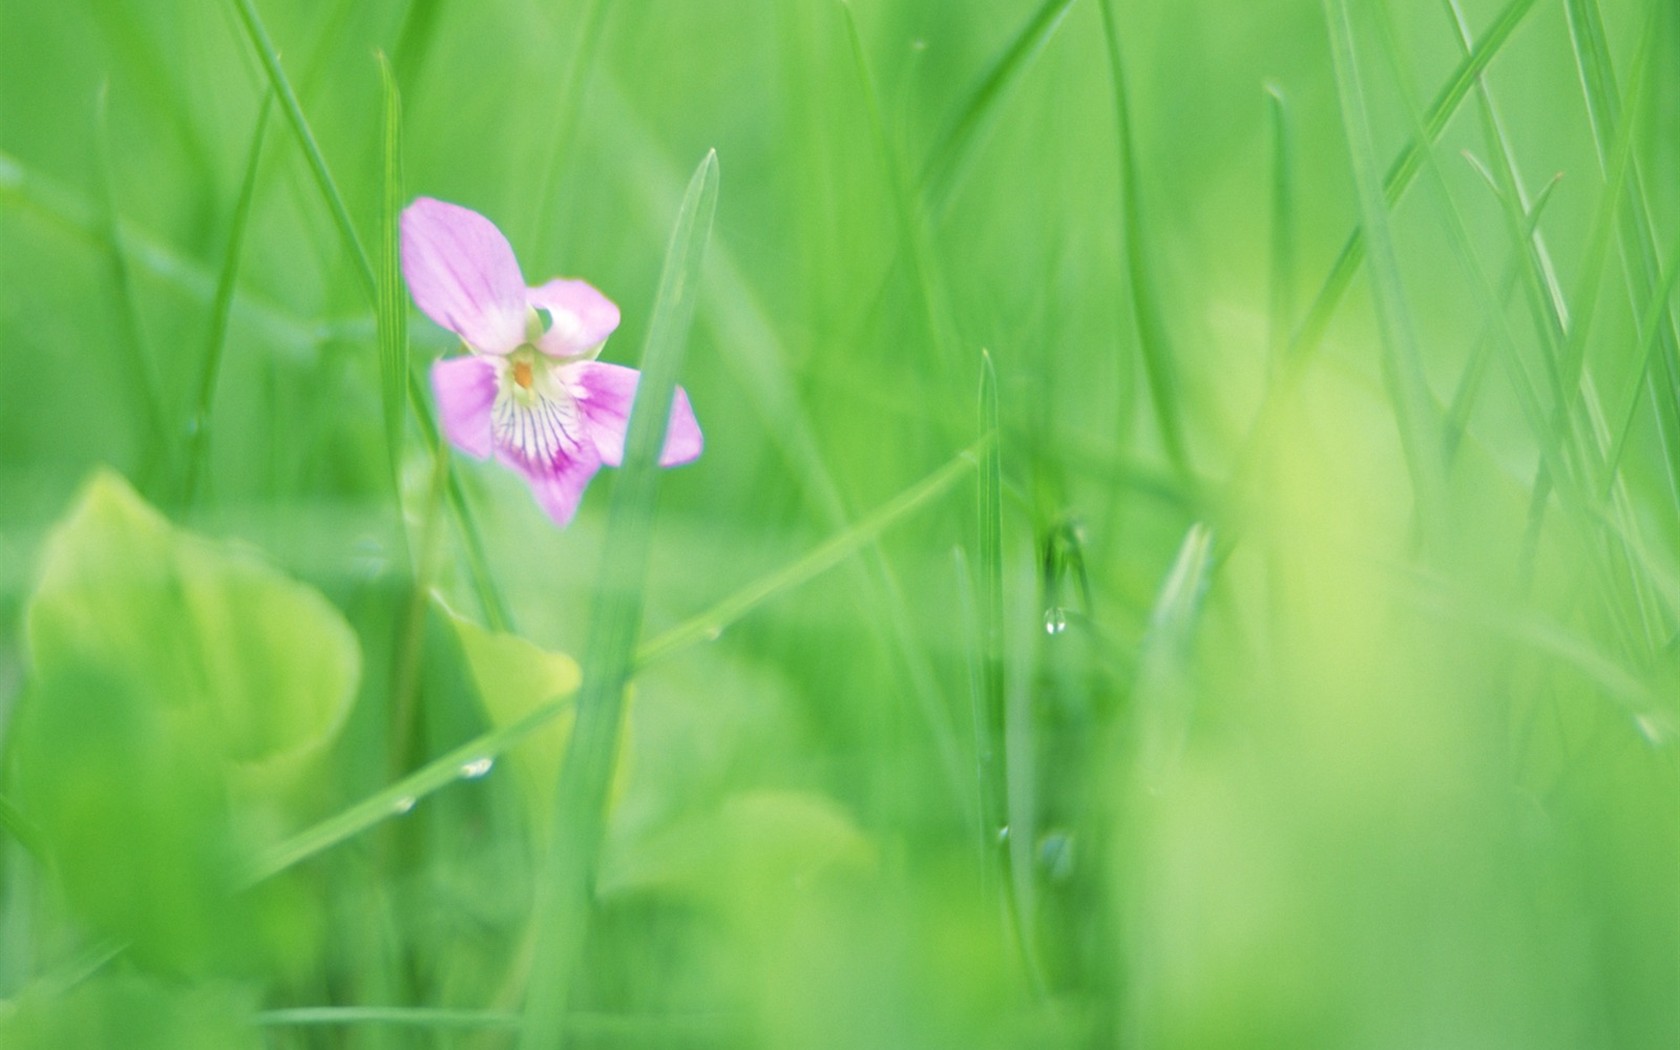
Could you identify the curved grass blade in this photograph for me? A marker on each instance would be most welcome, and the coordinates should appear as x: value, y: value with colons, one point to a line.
x: 1400, y: 175
x: 948, y: 160
x: 221, y: 310
x: 1421, y: 435
x: 282, y: 87
x: 1154, y: 334
x: 566, y: 884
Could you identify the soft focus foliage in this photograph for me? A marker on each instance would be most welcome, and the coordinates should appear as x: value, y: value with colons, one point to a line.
x: 1308, y: 677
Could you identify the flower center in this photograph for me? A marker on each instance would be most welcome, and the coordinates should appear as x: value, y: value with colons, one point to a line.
x: 534, y: 416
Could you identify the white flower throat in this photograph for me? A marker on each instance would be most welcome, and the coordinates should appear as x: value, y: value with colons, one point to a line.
x: 535, y: 415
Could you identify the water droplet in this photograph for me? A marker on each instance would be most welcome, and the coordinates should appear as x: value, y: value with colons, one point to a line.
x: 1003, y: 835
x: 403, y: 805
x: 714, y: 632
x: 477, y: 767
x: 1055, y: 620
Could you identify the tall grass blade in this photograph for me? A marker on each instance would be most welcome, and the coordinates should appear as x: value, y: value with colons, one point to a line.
x: 221, y: 311
x: 145, y: 398
x: 989, y: 742
x: 568, y: 104
x: 948, y: 160
x: 490, y: 599
x: 566, y: 887
x: 391, y: 315
x: 1283, y: 225
x: 909, y: 209
x: 1400, y: 174
x: 1414, y: 406
x: 1164, y: 696
x: 1155, y: 339
x: 282, y: 87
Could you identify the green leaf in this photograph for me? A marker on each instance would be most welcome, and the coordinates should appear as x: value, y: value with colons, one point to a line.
x: 516, y: 679
x: 180, y: 688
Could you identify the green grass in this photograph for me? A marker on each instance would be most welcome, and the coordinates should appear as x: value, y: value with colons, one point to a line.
x: 1186, y: 553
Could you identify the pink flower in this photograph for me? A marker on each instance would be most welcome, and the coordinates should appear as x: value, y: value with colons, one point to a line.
x: 531, y: 392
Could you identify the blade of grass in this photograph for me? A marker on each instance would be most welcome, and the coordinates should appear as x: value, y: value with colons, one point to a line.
x: 750, y: 347
x: 1414, y: 405
x: 989, y: 752
x: 835, y: 550
x: 490, y: 598
x: 567, y: 105
x: 948, y: 160
x: 20, y: 827
x: 402, y: 795
x: 392, y: 310
x: 1647, y: 343
x: 145, y: 401
x: 912, y: 221
x: 29, y: 190
x: 221, y: 310
x: 1155, y: 340
x: 595, y: 1025
x: 1283, y: 225
x: 566, y: 886
x: 282, y: 87
x: 1163, y: 696
x: 1400, y: 174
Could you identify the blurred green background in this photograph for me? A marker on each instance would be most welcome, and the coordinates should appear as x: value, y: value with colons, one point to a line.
x: 1310, y: 679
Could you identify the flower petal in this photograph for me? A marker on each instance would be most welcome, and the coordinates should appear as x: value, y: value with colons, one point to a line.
x: 605, y: 394
x: 463, y: 274
x: 466, y: 390
x: 558, y: 484
x: 580, y: 317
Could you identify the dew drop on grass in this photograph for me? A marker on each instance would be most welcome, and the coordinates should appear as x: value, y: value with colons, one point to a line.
x: 477, y: 767
x: 714, y: 633
x: 1055, y: 620
x: 403, y: 805
x: 1003, y: 835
